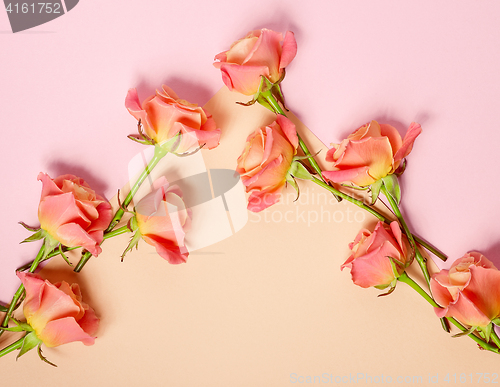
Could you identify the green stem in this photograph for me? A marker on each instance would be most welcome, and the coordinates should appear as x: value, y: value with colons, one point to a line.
x: 55, y: 252
x: 409, y: 281
x: 16, y: 345
x: 478, y: 340
x: 406, y: 279
x: 278, y: 110
x: 86, y: 256
x: 418, y: 255
x: 39, y: 257
x: 159, y: 153
x: 51, y: 255
x: 359, y: 203
x: 430, y: 248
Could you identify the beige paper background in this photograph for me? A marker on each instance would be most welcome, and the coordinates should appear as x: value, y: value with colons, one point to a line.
x: 263, y: 308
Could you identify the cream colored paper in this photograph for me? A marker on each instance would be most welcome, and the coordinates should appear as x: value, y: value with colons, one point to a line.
x: 267, y: 306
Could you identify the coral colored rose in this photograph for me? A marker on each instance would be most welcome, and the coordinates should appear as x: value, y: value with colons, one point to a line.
x: 56, y: 312
x: 72, y: 213
x: 162, y: 219
x: 260, y: 53
x: 468, y: 291
x: 264, y: 163
x: 370, y: 261
x: 164, y: 115
x: 370, y: 153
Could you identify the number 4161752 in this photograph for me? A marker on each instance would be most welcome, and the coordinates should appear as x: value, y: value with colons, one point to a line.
x: 34, y: 8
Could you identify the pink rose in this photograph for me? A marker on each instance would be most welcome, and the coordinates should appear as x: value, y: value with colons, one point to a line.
x: 72, y: 213
x: 468, y: 291
x: 164, y: 115
x: 162, y: 219
x: 372, y: 252
x: 370, y: 153
x: 265, y: 162
x: 260, y: 53
x: 56, y: 312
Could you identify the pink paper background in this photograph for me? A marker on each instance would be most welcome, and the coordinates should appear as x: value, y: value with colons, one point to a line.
x: 63, y: 84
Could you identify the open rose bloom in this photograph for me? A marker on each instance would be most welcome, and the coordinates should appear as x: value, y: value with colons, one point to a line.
x: 162, y: 221
x: 71, y: 212
x: 164, y: 116
x: 372, y: 252
x: 260, y: 53
x: 265, y: 162
x: 56, y: 312
x: 369, y: 154
x: 469, y: 291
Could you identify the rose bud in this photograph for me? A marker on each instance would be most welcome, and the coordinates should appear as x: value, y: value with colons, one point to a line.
x: 71, y: 213
x: 469, y: 291
x: 265, y: 162
x: 378, y: 258
x: 162, y: 219
x: 260, y: 53
x: 369, y: 154
x: 164, y: 116
x: 56, y: 312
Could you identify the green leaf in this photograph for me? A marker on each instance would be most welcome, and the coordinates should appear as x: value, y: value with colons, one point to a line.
x: 392, y: 185
x: 375, y: 190
x: 40, y: 354
x: 465, y: 333
x: 40, y: 234
x: 30, y: 341
x: 298, y: 170
x: 496, y: 321
x: 3, y: 309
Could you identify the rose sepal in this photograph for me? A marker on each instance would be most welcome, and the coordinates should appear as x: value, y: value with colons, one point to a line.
x: 29, y: 228
x: 485, y: 332
x: 298, y: 170
x: 394, y: 264
x: 30, y: 341
x: 20, y: 327
x: 39, y: 234
x: 267, y: 94
x: 392, y: 184
x: 134, y: 241
x: 465, y: 333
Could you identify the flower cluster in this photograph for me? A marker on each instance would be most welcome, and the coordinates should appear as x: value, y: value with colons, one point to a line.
x: 73, y: 216
x: 372, y: 159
